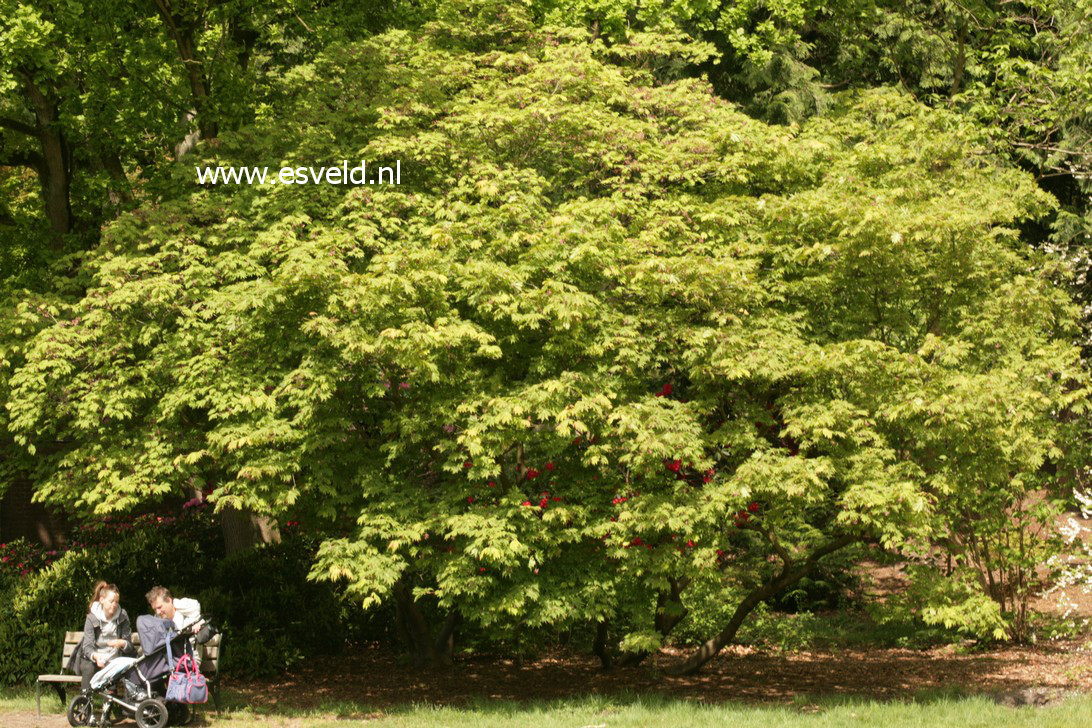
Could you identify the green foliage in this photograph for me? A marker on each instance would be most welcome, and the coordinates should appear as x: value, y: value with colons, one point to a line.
x: 952, y: 601
x: 610, y: 335
x: 39, y: 608
x: 261, y: 598
x: 270, y: 614
x: 465, y: 377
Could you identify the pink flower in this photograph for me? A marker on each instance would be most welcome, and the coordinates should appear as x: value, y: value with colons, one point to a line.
x: 550, y: 467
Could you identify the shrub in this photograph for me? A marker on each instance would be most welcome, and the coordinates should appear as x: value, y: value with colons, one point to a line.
x: 270, y: 613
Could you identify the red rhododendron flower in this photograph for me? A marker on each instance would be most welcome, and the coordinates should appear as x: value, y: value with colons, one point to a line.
x: 550, y: 466
x: 470, y: 499
x: 690, y: 543
x: 543, y: 503
x: 674, y: 465
x: 492, y: 484
x: 753, y: 507
x: 525, y: 503
x: 532, y: 474
x: 468, y: 464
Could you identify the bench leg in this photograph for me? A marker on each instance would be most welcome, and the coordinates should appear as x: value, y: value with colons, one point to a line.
x: 38, y: 697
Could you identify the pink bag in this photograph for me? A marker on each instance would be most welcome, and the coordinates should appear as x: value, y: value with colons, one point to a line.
x: 187, y: 684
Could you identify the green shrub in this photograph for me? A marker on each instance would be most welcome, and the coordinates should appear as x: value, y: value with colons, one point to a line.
x: 270, y: 614
x: 274, y: 616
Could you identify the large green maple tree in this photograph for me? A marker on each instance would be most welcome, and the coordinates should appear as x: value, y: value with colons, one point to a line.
x: 609, y: 337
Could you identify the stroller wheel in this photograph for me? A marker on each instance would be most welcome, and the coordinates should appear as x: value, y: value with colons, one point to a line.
x: 151, y: 713
x: 80, y: 710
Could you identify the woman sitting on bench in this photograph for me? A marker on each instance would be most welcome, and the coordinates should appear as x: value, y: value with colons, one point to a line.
x: 106, y: 634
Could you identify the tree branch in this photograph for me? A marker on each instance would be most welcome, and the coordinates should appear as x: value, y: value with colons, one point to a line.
x: 23, y: 159
x: 18, y: 126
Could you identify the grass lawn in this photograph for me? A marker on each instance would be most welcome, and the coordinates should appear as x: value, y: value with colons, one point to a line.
x: 635, y: 710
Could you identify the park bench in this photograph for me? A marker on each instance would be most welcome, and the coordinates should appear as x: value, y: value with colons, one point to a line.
x: 208, y: 653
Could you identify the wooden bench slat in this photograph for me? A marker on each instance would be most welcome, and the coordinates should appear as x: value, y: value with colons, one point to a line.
x: 58, y: 678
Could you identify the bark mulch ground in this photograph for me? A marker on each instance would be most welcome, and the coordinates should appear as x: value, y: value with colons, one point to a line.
x: 375, y: 677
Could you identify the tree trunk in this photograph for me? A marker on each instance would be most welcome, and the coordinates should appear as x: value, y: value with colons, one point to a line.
x: 54, y: 168
x: 960, y: 62
x: 243, y: 529
x: 120, y: 191
x: 599, y: 647
x: 426, y: 653
x: 788, y: 576
x: 183, y: 33
x: 664, y: 622
x: 445, y: 641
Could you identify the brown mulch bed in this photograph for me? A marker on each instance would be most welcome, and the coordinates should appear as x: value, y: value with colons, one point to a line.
x: 375, y: 677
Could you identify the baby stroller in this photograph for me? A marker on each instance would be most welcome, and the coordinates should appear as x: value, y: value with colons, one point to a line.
x: 136, y: 686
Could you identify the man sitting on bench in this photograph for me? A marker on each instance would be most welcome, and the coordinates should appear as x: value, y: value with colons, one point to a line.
x: 171, y: 615
x: 183, y: 612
